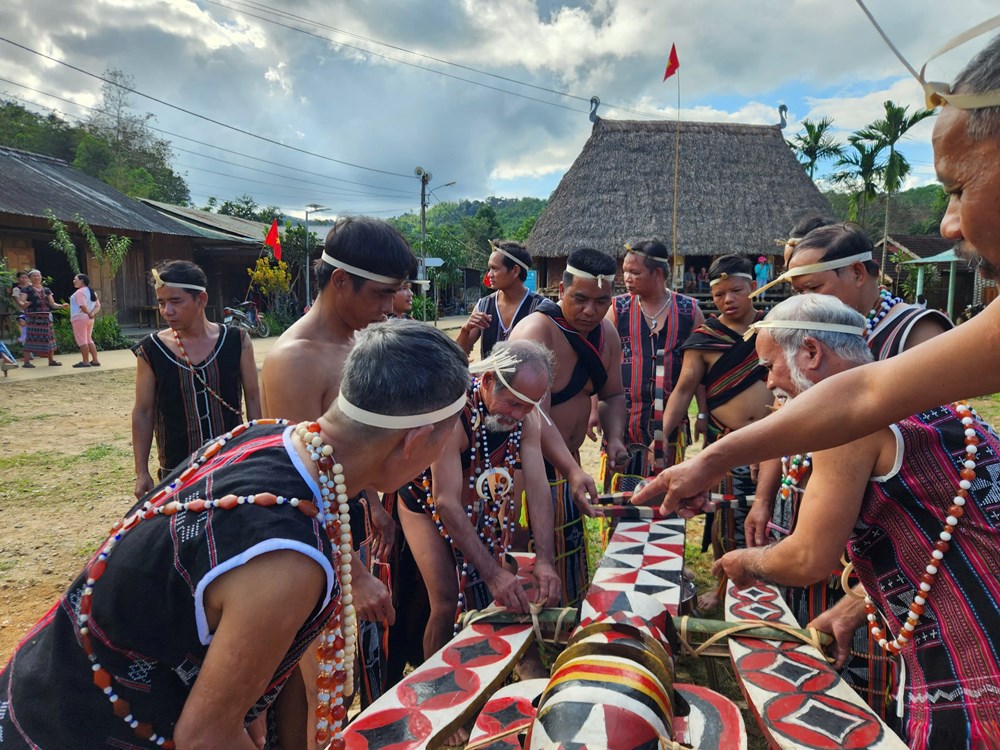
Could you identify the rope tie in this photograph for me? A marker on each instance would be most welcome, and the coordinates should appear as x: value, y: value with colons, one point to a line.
x: 811, y: 637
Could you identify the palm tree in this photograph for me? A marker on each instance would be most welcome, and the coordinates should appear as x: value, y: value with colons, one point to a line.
x: 862, y: 171
x: 886, y: 133
x: 815, y: 144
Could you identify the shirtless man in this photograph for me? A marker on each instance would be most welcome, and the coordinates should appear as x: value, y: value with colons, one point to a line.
x: 364, y: 262
x: 587, y: 353
x: 716, y: 356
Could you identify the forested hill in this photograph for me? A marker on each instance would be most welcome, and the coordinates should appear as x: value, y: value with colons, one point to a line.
x: 915, y: 211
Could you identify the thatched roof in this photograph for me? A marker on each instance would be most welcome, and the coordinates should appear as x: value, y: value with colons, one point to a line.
x: 739, y: 188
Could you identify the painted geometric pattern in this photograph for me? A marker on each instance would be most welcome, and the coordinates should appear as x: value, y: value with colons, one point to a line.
x: 448, y: 688
x: 799, y: 701
x: 644, y: 557
x: 509, y: 709
x: 713, y: 723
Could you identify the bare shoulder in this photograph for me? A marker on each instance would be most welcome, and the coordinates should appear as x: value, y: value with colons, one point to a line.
x: 536, y: 326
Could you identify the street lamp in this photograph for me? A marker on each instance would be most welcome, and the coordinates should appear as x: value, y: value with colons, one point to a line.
x: 312, y: 208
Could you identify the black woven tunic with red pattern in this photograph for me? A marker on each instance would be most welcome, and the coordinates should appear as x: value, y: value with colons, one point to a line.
x: 148, y: 626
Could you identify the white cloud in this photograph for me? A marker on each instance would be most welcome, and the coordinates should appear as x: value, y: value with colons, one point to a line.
x: 279, y: 76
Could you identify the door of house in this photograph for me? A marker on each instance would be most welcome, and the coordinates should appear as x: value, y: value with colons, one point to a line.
x: 102, y: 282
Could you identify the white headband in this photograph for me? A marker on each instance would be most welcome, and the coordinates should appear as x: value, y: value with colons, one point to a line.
x: 504, y: 253
x: 390, y: 422
x: 601, y: 277
x: 158, y: 282
x: 630, y: 249
x: 725, y: 276
x: 804, y: 325
x: 331, y: 261
x: 827, y: 265
x: 494, y: 364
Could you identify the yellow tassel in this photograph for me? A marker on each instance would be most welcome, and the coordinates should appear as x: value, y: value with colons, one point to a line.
x: 523, y: 520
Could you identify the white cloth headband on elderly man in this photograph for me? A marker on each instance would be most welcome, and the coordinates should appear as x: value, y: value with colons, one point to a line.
x: 804, y: 325
x: 404, y: 422
x: 496, y: 364
x: 826, y: 265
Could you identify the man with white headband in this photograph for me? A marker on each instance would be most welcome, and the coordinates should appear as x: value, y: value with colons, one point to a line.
x: 460, y: 515
x: 587, y: 353
x: 496, y: 314
x: 186, y: 625
x: 717, y: 357
x: 924, y: 538
x: 190, y: 378
x: 363, y: 263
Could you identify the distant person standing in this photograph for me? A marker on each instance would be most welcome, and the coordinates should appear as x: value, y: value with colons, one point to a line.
x: 496, y: 315
x: 703, y: 280
x: 762, y: 272
x: 38, y: 304
x: 83, y: 308
x: 690, y: 280
x: 189, y: 377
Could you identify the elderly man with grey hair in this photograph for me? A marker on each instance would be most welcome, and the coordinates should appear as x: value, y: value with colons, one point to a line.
x: 921, y: 524
x: 461, y: 512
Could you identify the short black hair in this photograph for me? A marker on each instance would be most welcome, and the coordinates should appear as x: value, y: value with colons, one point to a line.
x: 371, y: 244
x: 809, y: 222
x: 590, y: 261
x: 730, y: 264
x: 839, y: 241
x: 516, y: 249
x: 183, y: 272
x: 652, y: 249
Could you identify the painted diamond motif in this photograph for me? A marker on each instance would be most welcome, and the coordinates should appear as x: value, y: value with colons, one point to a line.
x: 816, y: 717
x: 791, y: 671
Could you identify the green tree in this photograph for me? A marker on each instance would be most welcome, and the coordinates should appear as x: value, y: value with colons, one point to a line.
x: 246, y: 207
x: 478, y: 231
x: 884, y: 133
x: 861, y: 173
x: 815, y: 144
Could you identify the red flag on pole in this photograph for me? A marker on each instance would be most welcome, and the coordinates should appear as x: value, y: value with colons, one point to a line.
x: 273, y: 241
x: 672, y: 62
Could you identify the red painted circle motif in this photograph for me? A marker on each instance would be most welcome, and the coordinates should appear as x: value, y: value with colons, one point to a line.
x: 392, y: 729
x: 785, y: 672
x: 822, y: 722
x: 439, y: 688
x: 476, y: 651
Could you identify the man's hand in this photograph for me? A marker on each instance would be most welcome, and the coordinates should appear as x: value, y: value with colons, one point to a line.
x: 584, y: 489
x: 594, y: 426
x: 617, y: 453
x: 735, y: 566
x: 700, y: 428
x: 756, y: 523
x: 478, y: 320
x: 688, y: 480
x: 548, y: 585
x: 841, y: 621
x: 383, y: 531
x: 371, y: 598
x: 508, y: 591
x: 143, y: 484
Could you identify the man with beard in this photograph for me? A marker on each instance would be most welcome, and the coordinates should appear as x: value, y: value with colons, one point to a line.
x: 917, y: 507
x: 587, y: 354
x: 718, y: 357
x: 458, y: 517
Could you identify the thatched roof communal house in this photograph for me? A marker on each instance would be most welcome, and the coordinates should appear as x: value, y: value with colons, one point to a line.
x: 739, y: 188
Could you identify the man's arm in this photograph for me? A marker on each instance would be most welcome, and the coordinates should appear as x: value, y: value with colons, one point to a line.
x: 248, y: 377
x: 247, y: 648
x: 142, y: 425
x: 827, y: 514
x: 611, y: 399
x: 472, y: 329
x: 959, y: 364
x: 768, y: 482
x: 692, y: 371
x: 540, y: 512
x: 448, y: 488
x: 840, y: 621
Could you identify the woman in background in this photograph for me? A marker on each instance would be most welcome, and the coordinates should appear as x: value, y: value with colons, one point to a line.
x: 83, y: 307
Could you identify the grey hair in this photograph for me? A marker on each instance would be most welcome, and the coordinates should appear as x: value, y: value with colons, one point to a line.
x: 819, y: 308
x: 980, y: 76
x: 403, y: 367
x: 514, y: 356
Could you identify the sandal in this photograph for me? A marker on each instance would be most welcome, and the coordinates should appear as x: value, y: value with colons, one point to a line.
x: 82, y: 364
x: 54, y: 363
x: 27, y: 365
x: 95, y: 364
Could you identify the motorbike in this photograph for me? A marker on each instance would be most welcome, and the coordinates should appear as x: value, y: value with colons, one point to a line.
x: 246, y: 316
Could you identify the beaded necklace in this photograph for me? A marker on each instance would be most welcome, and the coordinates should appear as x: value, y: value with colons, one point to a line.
x: 338, y: 639
x: 877, y: 314
x: 651, y: 319
x: 793, y: 471
x: 955, y: 513
x: 489, y: 492
x: 200, y: 378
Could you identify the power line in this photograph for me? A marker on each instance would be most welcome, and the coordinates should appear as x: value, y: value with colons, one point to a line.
x: 200, y: 116
x: 195, y: 140
x: 508, y: 79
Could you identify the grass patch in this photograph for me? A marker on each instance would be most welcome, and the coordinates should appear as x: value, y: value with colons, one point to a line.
x: 103, y: 450
x: 7, y: 417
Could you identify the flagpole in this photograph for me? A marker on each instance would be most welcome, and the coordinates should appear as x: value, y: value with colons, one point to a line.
x: 677, y: 154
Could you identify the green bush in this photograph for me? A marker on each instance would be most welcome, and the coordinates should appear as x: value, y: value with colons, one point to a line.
x: 417, y: 313
x: 107, y: 335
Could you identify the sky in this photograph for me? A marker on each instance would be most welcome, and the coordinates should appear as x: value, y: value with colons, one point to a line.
x: 336, y: 102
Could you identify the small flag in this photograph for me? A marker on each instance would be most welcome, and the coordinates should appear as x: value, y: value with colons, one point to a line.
x: 273, y: 241
x: 486, y: 280
x: 672, y: 62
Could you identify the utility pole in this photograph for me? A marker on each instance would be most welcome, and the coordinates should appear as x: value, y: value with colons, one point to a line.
x: 311, y: 208
x: 425, y: 177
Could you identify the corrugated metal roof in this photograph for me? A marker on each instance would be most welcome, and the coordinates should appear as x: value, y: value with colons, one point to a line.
x: 215, y: 226
x: 33, y: 183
